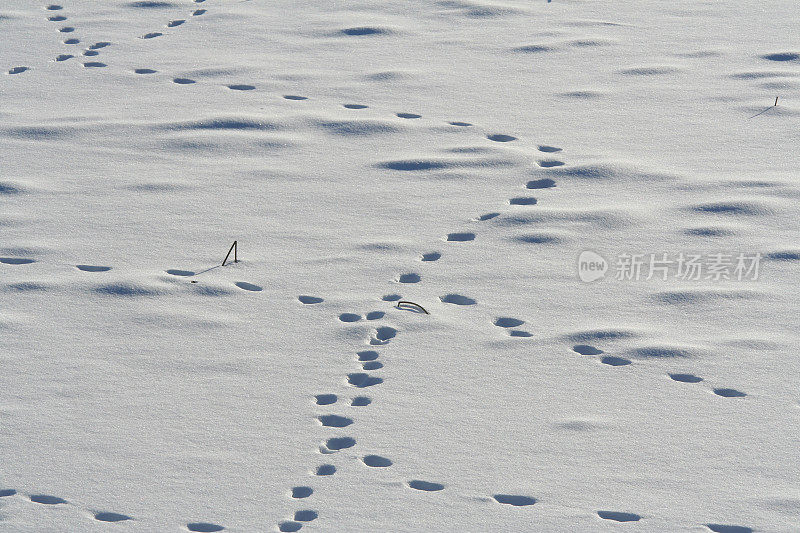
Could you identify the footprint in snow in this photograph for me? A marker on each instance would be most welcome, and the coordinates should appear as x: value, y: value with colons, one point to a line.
x: 294, y: 97
x: 198, y: 12
x: 334, y: 421
x: 152, y: 35
x: 204, y: 527
x: 289, y: 526
x: 174, y: 23
x: 305, y: 515
x: 460, y: 237
x: 111, y: 517
x: 335, y: 444
x: 507, y: 322
x: 302, y: 492
x: 248, y: 286
x: 723, y: 528
x: 92, y: 268
x: 585, y: 349
x: 144, y: 71
x: 375, y: 315
x: 354, y: 106
x: 686, y: 378
x: 326, y: 399
x: 500, y: 138
x: 367, y: 355
x: 7, y: 492
x: 615, y: 361
x: 47, y: 500
x: 729, y: 393
x: 18, y: 70
x: 618, y: 516
x: 517, y: 501
x: 383, y: 335
x: 431, y: 256
x: 376, y: 461
x: 183, y: 81
x: 241, y: 87
x: 363, y: 380
x: 457, y: 299
x: 325, y: 470
x: 308, y: 300
x: 427, y: 486
x: 177, y: 272
x: 544, y: 183
x: 408, y: 115
x: 57, y: 18
x: 349, y: 317
x: 360, y: 401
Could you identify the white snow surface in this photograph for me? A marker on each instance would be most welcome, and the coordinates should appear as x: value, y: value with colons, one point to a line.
x: 177, y: 394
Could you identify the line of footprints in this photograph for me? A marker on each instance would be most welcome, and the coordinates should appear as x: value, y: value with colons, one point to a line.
x: 57, y: 15
x: 369, y: 361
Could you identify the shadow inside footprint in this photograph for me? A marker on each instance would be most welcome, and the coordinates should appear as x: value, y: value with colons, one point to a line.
x: 302, y: 492
x: 508, y: 322
x: 686, y: 378
x: 289, y: 526
x: 176, y: 272
x: 340, y: 443
x: 325, y: 470
x: 326, y: 399
x: 363, y: 380
x: 729, y: 393
x: 91, y: 268
x: 615, y: 361
x: 310, y: 299
x: 427, y: 486
x: 16, y: 261
x: 47, y: 500
x: 248, y: 286
x: 376, y: 461
x: 367, y: 355
x: 585, y: 349
x: 723, y: 528
x: 7, y: 492
x: 618, y: 516
x: 457, y: 299
x: 334, y: 421
x: 204, y: 527
x: 349, y: 317
x: 517, y: 501
x: 305, y: 515
x: 111, y: 517
x: 360, y: 401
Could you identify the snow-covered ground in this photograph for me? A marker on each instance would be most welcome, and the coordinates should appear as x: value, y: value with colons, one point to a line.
x: 458, y: 154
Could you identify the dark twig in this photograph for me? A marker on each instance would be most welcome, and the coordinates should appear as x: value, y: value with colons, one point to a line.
x: 406, y: 304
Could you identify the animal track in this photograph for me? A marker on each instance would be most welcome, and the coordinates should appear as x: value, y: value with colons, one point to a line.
x: 248, y: 286
x: 289, y: 526
x: 517, y: 501
x: 308, y: 300
x: 729, y: 393
x: 111, y: 517
x: 390, y: 297
x: 334, y: 421
x: 360, y: 401
x: 349, y: 317
x: 91, y: 268
x: 305, y: 515
x: 376, y: 461
x: 176, y: 272
x: 585, y: 349
x: 325, y: 470
x: 545, y: 183
x: 409, y: 278
x: 326, y: 399
x: 7, y: 492
x: 18, y: 70
x: 367, y: 355
x: 522, y: 200
x: 47, y: 500
x: 302, y: 492
x: 431, y: 256
x: 457, y: 299
x: 335, y: 444
x: 363, y: 380
x: 615, y: 361
x: 375, y: 315
x: 16, y: 261
x: 548, y: 149
x: 145, y: 71
x: 241, y: 87
x: 152, y: 35
x: 686, y: 378
x: 94, y: 64
x: 427, y: 486
x: 408, y: 115
x: 507, y: 322
x: 372, y: 365
x: 488, y: 216
x: 383, y: 335
x: 183, y: 81
x: 204, y: 527
x: 550, y: 163
x: 460, y: 124
x: 354, y: 106
x: 618, y: 516
x: 500, y: 138
x: 175, y: 23
x: 460, y: 237
x: 294, y: 97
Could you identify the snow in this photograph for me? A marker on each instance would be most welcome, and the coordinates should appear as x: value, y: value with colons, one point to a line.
x: 460, y: 155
